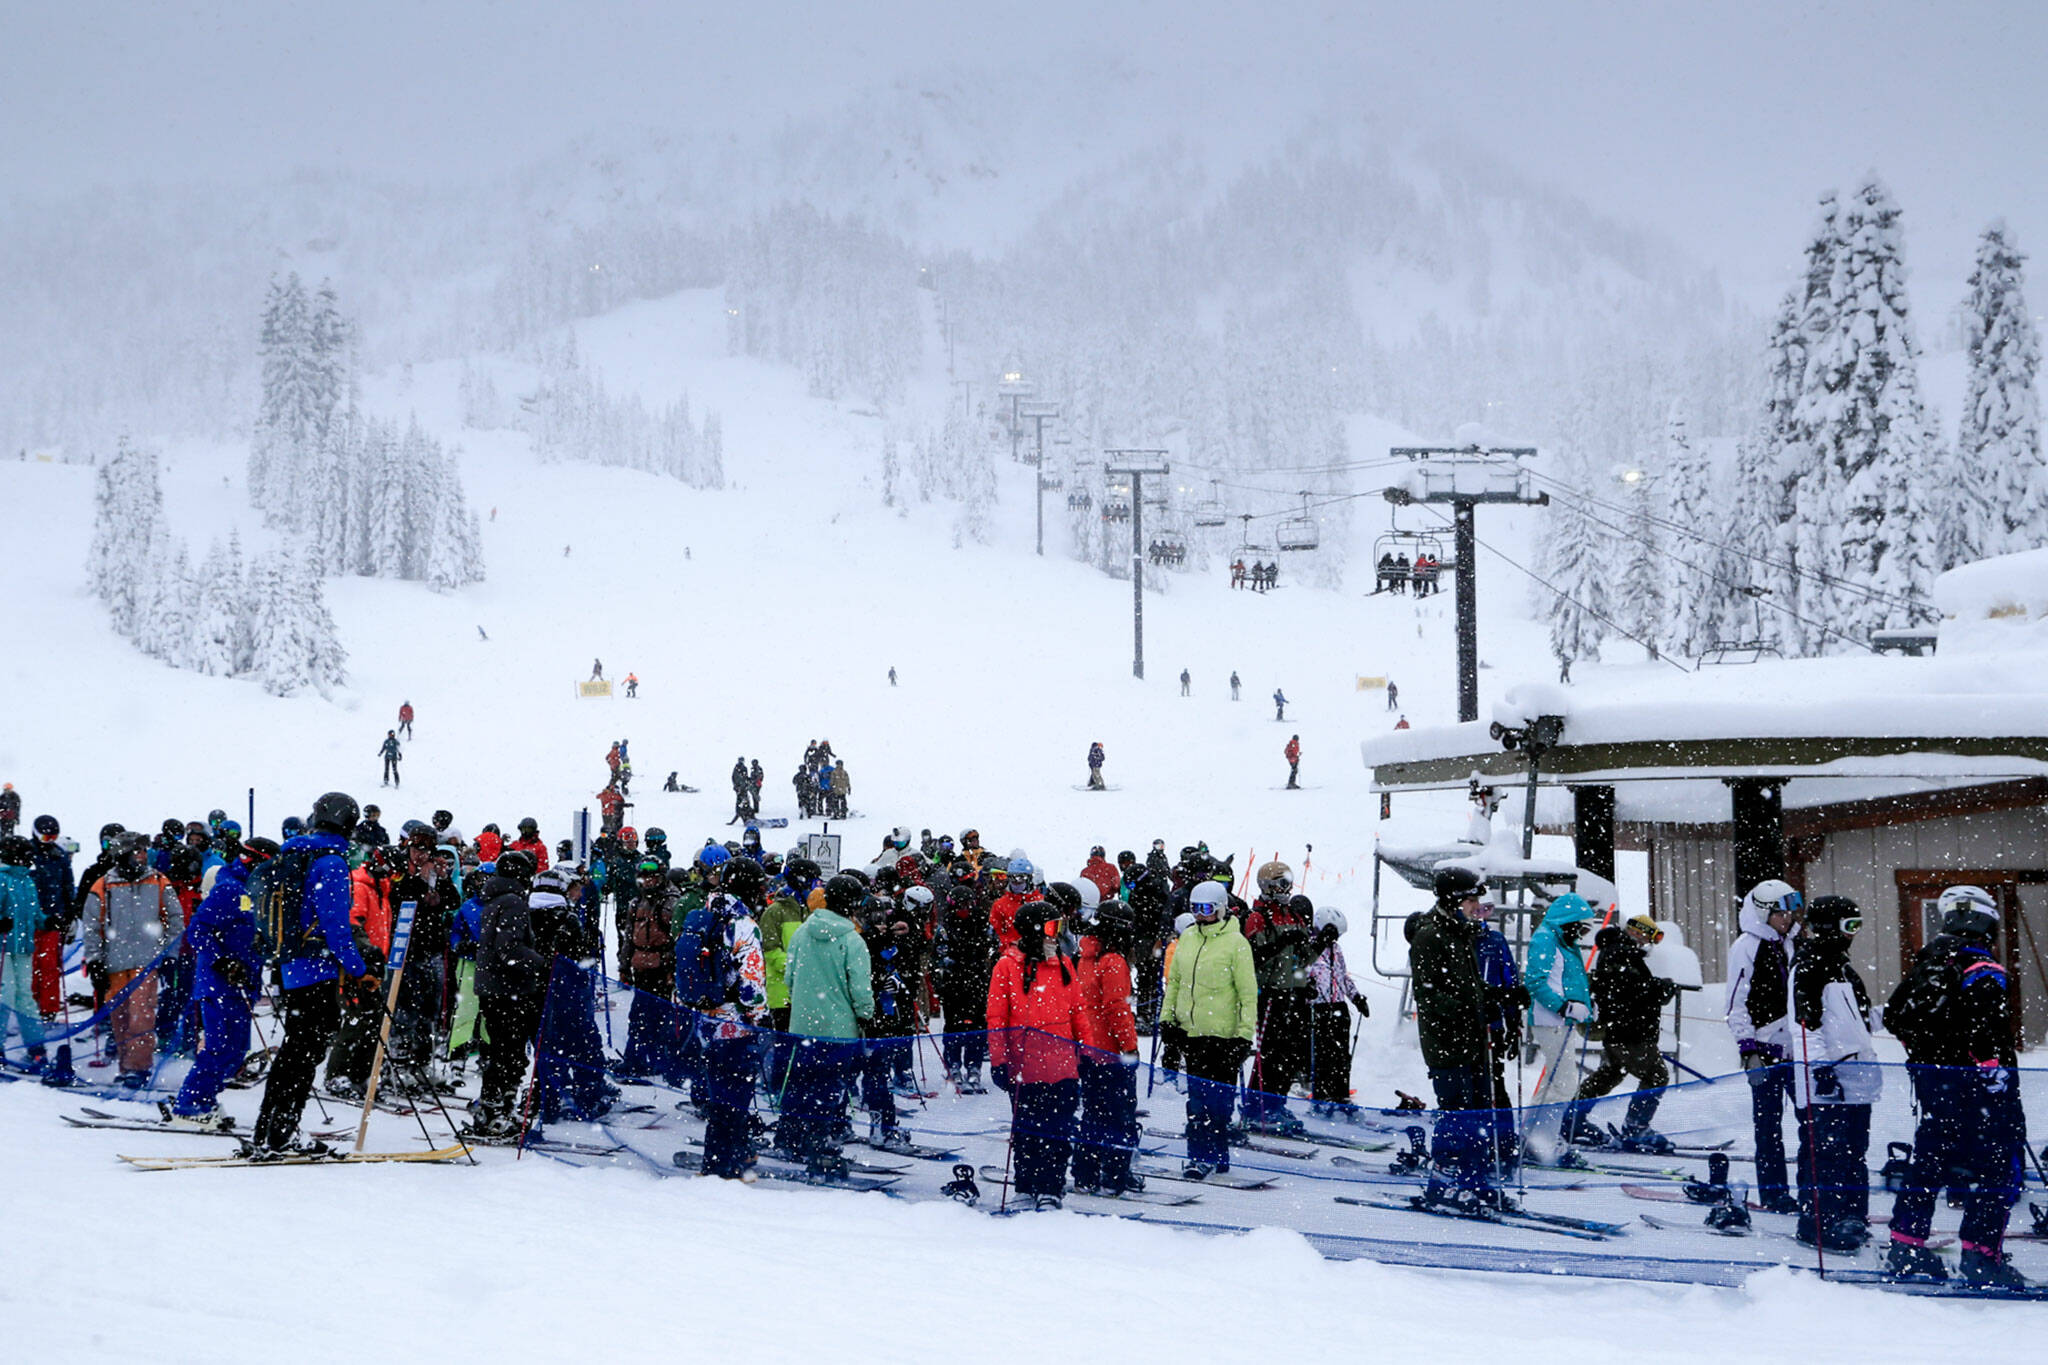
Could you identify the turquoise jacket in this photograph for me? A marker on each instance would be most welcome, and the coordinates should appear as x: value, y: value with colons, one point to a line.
x: 831, y: 993
x: 1557, y: 974
x: 19, y: 903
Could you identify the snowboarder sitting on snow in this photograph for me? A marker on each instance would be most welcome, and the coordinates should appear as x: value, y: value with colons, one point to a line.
x: 1631, y: 1001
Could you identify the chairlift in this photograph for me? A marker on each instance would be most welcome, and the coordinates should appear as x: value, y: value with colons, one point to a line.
x: 1414, y: 547
x: 1298, y: 533
x: 1080, y: 500
x: 1209, y: 511
x: 1116, y: 508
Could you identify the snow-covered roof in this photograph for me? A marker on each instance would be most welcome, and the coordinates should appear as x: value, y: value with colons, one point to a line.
x: 1995, y: 605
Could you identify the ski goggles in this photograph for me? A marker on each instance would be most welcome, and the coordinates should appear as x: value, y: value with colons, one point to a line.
x: 1849, y: 924
x: 1791, y: 903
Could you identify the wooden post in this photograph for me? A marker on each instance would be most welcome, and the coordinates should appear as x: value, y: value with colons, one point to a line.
x: 401, y: 937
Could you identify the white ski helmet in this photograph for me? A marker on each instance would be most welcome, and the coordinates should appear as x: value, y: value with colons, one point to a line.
x: 918, y: 897
x: 1091, y: 894
x: 1182, y: 923
x: 1771, y: 897
x: 1329, y: 917
x: 1210, y: 898
x: 1969, y: 912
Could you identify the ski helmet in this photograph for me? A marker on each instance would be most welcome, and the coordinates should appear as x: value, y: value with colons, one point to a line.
x: 517, y: 864
x: 132, y: 852
x: 650, y: 867
x: 1208, y: 900
x: 529, y: 826
x: 1775, y: 897
x: 260, y: 849
x: 292, y: 827
x: 1033, y: 917
x: 628, y: 835
x: 1454, y: 884
x: 1276, y: 879
x: 1091, y: 894
x: 1021, y: 869
x: 711, y: 855
x: 1969, y: 912
x: 1331, y: 918
x: 655, y: 834
x: 844, y: 894
x: 214, y: 817
x: 46, y: 827
x: 1182, y: 923
x: 108, y: 834
x: 1063, y: 896
x: 918, y: 897
x: 17, y: 850
x: 443, y: 819
x: 336, y: 813
x: 800, y: 872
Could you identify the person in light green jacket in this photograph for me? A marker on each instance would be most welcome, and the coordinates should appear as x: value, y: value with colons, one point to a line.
x: 785, y: 914
x: 1212, y: 999
x: 831, y: 995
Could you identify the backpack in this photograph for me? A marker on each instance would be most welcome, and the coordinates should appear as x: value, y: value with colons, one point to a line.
x: 1917, y: 1009
x: 277, y: 893
x: 705, y: 978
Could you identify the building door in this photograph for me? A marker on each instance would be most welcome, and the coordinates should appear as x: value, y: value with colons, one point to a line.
x: 2022, y: 895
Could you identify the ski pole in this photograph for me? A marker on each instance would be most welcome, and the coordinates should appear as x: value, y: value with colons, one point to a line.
x: 1820, y: 1254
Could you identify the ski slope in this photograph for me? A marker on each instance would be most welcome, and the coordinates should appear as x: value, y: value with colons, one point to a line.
x: 758, y: 618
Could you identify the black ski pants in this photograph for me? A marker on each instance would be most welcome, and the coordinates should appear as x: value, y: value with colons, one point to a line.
x: 311, y: 1015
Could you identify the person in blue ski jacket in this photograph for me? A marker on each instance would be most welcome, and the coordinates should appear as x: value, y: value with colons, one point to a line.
x: 1560, y: 1007
x: 21, y: 917
x: 227, y: 973
x: 1507, y: 996
x: 313, y: 952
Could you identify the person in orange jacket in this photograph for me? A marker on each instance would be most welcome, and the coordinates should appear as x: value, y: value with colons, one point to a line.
x: 370, y: 897
x: 1109, y: 1041
x: 1034, y: 1020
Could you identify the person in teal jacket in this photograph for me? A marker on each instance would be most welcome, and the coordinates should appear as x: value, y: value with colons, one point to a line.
x: 831, y: 998
x: 1560, y: 1006
x: 21, y: 915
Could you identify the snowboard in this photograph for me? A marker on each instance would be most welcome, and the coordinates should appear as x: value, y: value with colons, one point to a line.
x: 180, y: 1163
x: 1352, y: 1163
x: 916, y: 1151
x: 997, y: 1176
x: 1222, y: 1180
x: 1105, y: 787
x: 797, y: 1175
x: 1584, y: 1229
x: 1269, y: 1149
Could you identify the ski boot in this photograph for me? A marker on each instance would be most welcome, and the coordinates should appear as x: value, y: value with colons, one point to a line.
x: 1984, y: 1268
x: 826, y: 1168
x: 1644, y: 1142
x: 1911, y: 1261
x: 2040, y: 1214
x: 904, y: 1088
x: 962, y: 1186
x: 132, y: 1080
x: 889, y: 1139
x: 1130, y: 1182
x: 971, y: 1082
x: 1047, y: 1203
x: 1778, y: 1201
x: 297, y: 1150
x: 213, y: 1121
x: 343, y: 1089
x: 1196, y: 1170
x: 60, y: 1072
x: 1284, y: 1122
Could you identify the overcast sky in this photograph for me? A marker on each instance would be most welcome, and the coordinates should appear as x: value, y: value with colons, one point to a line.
x: 1715, y: 122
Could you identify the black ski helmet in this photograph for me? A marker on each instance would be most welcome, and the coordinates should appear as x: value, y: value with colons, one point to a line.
x: 1833, y: 917
x: 335, y: 813
x: 260, y: 849
x: 17, y: 850
x: 46, y: 827
x: 746, y: 879
x: 529, y: 826
x: 443, y: 819
x: 844, y: 894
x: 108, y: 834
x: 1454, y: 884
x: 1065, y: 897
x: 517, y: 864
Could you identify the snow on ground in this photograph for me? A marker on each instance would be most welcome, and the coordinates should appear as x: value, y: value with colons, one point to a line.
x: 756, y: 619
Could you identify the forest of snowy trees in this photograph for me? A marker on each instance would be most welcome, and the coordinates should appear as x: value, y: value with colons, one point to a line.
x: 364, y: 497
x: 1843, y: 499
x: 268, y: 621
x: 571, y: 416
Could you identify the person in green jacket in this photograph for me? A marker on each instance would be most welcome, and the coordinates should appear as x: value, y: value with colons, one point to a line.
x: 1212, y: 1001
x: 831, y: 998
x: 1452, y: 1007
x: 785, y: 914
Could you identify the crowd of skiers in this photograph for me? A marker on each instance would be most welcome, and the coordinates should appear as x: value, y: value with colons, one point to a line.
x: 823, y: 786
x: 1802, y: 1021
x: 760, y: 979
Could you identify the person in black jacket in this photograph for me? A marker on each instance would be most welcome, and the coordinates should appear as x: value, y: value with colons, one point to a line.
x: 964, y: 952
x: 1631, y: 1001
x: 511, y: 982
x: 429, y: 885
x: 1953, y: 1013
x: 1452, y: 1007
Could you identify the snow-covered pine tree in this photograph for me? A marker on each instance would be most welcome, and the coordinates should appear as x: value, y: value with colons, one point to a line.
x: 1868, y: 427
x: 166, y: 628
x: 1640, y: 607
x: 285, y: 419
x: 237, y: 584
x: 127, y: 517
x: 1684, y: 497
x: 385, y: 471
x: 892, y: 471
x: 711, y: 452
x: 1573, y: 562
x: 326, y: 660
x: 278, y: 648
x: 218, y: 620
x: 1998, y: 444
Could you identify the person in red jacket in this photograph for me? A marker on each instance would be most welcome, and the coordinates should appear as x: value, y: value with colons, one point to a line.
x: 529, y: 841
x: 405, y: 719
x: 1019, y: 877
x: 1109, y: 1056
x: 1034, y: 1019
x: 490, y: 844
x: 1293, y: 754
x: 1101, y: 871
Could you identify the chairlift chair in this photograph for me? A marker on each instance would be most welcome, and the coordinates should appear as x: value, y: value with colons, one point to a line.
x: 1209, y: 511
x: 1298, y: 533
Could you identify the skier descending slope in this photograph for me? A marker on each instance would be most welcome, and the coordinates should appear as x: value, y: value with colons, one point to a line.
x: 1955, y: 1017
x: 306, y: 913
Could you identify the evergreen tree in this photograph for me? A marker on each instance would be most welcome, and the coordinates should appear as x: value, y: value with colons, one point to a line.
x: 892, y: 471
x: 1685, y: 498
x: 218, y: 619
x: 1868, y: 428
x: 2001, y: 477
x: 278, y: 648
x: 1640, y: 606
x: 1572, y: 556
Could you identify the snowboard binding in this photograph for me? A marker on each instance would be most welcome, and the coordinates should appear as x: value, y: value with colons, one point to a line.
x: 1416, y: 1159
x: 962, y: 1186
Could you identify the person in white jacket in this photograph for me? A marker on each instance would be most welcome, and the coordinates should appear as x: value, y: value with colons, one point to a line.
x: 1835, y: 1079
x: 1759, y: 979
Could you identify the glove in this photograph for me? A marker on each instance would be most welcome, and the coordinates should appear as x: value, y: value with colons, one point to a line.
x: 1240, y: 1052
x: 231, y: 970
x: 1826, y: 1084
x: 1129, y: 1060
x: 1994, y: 1077
x: 1362, y: 1005
x: 1001, y: 1076
x: 6, y: 924
x: 1756, y: 1055
x: 1577, y: 1013
x: 1173, y: 1036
